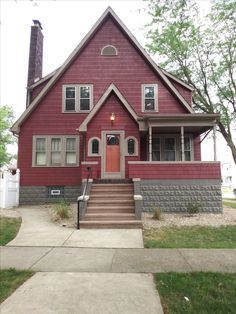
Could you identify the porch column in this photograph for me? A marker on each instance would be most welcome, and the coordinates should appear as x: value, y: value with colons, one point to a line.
x: 182, y: 144
x: 150, y: 143
x: 214, y: 140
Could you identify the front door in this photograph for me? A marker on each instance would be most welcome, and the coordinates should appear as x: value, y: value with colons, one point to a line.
x: 113, y: 159
x: 113, y: 153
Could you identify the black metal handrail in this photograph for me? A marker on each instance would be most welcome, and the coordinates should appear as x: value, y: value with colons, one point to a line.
x: 81, y: 199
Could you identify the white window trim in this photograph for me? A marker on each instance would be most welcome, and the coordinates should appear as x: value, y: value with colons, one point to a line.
x: 177, y: 146
x: 135, y: 146
x: 77, y: 98
x: 48, y: 139
x: 90, y: 154
x: 116, y: 51
x: 155, y: 97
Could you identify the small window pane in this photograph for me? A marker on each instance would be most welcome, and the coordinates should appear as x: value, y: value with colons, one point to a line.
x: 131, y: 146
x: 40, y: 159
x: 95, y: 147
x: 70, y: 144
x: 70, y: 104
x: 187, y: 156
x: 70, y: 158
x: 70, y: 92
x: 85, y: 91
x: 149, y: 104
x: 40, y: 144
x: 112, y: 140
x: 156, y: 156
x: 149, y: 92
x: 84, y: 104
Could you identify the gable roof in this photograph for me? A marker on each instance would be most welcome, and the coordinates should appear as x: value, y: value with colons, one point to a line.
x: 58, y: 73
x: 110, y: 89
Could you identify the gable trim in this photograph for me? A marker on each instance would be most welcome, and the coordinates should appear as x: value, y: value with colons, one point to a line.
x: 101, y: 101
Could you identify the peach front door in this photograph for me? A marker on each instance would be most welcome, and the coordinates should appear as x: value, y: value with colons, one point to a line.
x: 112, y: 153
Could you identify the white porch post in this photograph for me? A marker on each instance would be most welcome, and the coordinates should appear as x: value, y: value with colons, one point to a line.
x: 214, y: 139
x: 150, y: 143
x: 182, y: 144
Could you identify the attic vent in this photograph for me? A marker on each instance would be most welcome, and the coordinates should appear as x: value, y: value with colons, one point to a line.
x: 109, y: 50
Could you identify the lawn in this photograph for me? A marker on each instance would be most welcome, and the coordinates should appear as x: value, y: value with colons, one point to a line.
x: 10, y: 280
x: 229, y: 203
x: 9, y: 228
x: 198, y: 292
x: 191, y: 237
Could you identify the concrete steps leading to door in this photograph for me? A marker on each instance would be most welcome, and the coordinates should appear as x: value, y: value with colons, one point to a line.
x: 111, y: 205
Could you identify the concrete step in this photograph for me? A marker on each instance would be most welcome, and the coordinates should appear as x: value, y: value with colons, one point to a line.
x: 111, y: 202
x: 113, y: 209
x: 109, y: 216
x: 121, y: 224
x: 111, y: 195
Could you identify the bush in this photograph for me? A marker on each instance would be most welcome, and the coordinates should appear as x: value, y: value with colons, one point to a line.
x: 61, y: 210
x: 157, y: 212
x: 193, y: 208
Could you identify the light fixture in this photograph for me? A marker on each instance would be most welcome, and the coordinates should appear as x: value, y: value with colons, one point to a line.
x: 112, y: 117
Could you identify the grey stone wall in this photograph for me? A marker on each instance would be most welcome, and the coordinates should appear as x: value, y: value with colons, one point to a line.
x: 39, y: 194
x: 175, y: 195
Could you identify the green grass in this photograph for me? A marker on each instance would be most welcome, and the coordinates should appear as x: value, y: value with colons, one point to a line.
x: 229, y: 204
x: 10, y: 280
x: 198, y: 292
x: 191, y: 237
x: 9, y: 228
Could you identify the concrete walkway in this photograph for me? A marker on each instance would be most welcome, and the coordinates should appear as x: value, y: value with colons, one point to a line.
x: 38, y: 230
x: 94, y: 271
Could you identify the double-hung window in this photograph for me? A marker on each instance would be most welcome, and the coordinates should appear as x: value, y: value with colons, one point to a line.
x: 55, y: 151
x: 77, y: 98
x: 40, y: 151
x: 187, y: 148
x: 149, y: 97
x: 156, y: 149
x: 170, y: 149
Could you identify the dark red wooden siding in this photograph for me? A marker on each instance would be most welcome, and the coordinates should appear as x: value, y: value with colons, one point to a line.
x: 127, y: 71
x: 175, y: 171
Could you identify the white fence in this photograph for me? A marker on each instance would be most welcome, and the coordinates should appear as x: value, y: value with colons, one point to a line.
x: 9, y: 188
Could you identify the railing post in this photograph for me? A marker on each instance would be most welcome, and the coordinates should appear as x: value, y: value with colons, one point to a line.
x: 83, y: 197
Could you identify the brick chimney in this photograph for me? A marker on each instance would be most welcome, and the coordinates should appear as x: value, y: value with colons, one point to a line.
x: 35, y: 67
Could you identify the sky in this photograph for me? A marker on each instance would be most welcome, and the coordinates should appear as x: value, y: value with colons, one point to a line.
x: 64, y: 23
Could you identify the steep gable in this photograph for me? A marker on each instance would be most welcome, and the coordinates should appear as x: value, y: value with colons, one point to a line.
x: 110, y: 22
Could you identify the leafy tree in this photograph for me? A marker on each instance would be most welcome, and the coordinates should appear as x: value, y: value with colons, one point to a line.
x: 201, y: 50
x: 6, y: 120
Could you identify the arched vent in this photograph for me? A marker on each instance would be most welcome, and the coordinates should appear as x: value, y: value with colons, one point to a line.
x: 109, y: 50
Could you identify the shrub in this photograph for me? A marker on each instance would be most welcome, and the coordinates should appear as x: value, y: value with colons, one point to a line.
x: 61, y: 210
x: 193, y: 208
x: 157, y: 212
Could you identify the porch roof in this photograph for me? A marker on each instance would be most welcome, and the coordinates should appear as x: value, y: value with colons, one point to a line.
x: 196, y: 123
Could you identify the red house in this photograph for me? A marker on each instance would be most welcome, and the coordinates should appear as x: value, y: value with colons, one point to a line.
x: 109, y: 107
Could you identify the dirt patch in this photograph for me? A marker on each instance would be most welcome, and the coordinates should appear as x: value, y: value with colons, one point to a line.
x: 11, y: 213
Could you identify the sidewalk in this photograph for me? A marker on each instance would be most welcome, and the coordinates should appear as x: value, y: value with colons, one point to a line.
x: 100, y: 260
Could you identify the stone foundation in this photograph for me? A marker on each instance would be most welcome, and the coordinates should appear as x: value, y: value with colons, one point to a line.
x: 33, y: 195
x: 175, y: 195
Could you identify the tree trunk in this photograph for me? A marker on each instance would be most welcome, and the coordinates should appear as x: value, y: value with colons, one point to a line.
x: 227, y: 136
